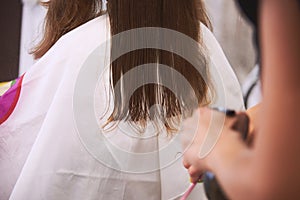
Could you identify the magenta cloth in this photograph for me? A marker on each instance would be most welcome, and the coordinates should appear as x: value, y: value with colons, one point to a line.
x: 9, y: 100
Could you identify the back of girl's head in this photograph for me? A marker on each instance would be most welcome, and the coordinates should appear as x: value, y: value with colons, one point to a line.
x: 151, y: 101
x: 63, y: 16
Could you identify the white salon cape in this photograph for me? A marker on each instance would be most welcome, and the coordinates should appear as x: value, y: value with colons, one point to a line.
x: 43, y: 155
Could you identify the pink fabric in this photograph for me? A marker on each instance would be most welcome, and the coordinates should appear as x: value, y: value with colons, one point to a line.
x: 9, y: 100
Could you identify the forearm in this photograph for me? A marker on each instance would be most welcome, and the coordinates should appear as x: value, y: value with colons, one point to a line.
x: 277, y: 144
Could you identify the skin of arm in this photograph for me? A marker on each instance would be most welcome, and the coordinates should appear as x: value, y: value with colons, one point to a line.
x: 268, y: 169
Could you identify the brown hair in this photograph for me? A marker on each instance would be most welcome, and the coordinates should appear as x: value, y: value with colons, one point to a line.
x: 183, y: 16
x: 63, y: 16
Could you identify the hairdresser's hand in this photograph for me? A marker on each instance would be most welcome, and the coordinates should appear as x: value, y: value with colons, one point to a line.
x: 214, y: 128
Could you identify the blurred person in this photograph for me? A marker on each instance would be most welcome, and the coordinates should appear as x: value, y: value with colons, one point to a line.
x: 267, y: 168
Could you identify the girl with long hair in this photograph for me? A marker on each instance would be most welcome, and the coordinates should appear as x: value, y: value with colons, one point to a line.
x: 117, y: 138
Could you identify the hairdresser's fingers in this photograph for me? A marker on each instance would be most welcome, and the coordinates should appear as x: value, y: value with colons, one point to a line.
x: 193, y: 135
x: 185, y: 164
x: 189, y: 130
x: 195, y: 174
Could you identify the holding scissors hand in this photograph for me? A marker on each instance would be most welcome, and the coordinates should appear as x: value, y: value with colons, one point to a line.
x: 215, y: 128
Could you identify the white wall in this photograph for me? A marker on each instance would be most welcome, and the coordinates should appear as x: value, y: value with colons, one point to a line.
x: 32, y: 24
x: 234, y: 35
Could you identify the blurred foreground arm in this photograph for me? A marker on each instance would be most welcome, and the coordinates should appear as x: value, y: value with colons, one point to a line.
x: 270, y: 168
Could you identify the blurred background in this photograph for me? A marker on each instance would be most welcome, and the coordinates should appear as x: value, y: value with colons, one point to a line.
x: 22, y: 22
x: 234, y: 33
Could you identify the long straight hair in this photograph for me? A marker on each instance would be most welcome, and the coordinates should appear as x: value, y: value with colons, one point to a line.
x: 183, y: 16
